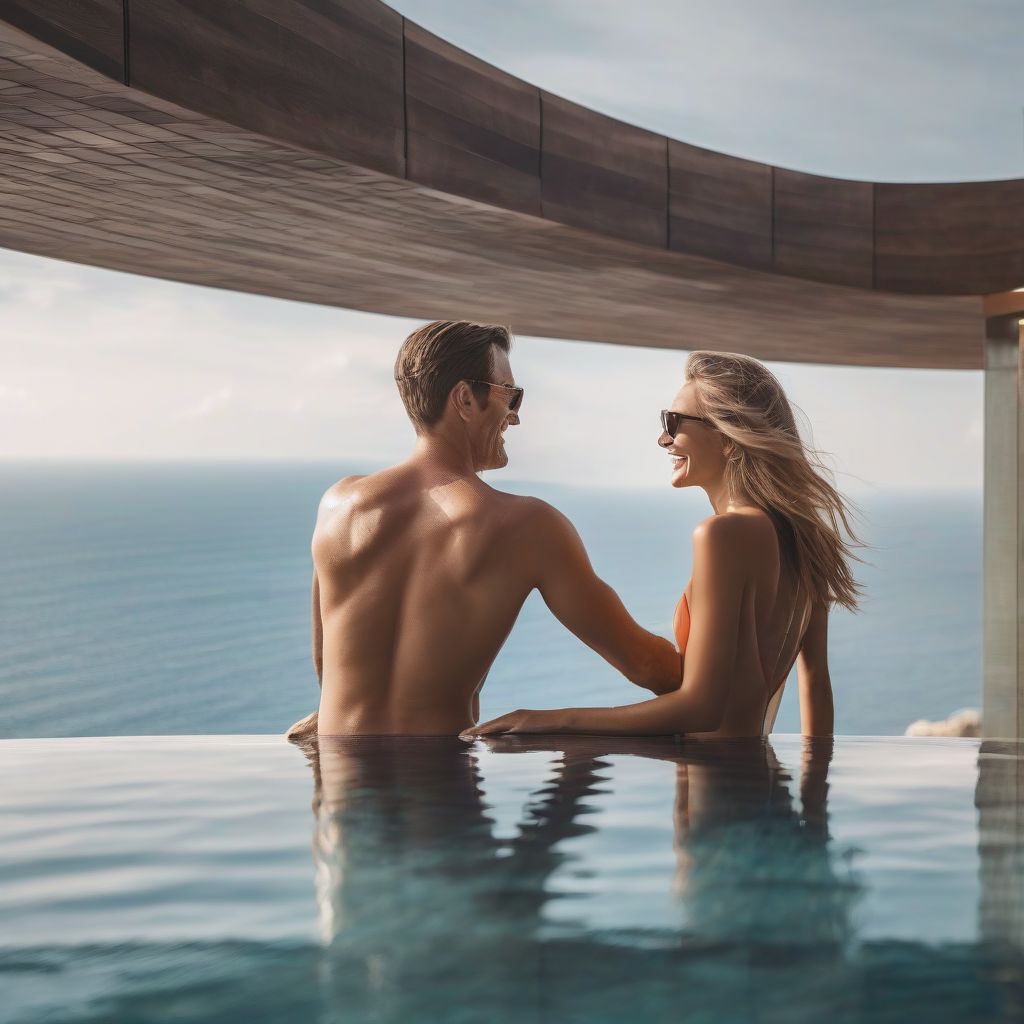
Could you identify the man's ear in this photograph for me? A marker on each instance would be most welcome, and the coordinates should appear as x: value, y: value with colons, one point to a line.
x: 463, y: 400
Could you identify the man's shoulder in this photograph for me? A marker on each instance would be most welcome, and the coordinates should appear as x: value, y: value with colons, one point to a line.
x: 520, y: 505
x: 534, y: 516
x: 347, y: 484
x: 340, y: 493
x: 366, y: 507
x: 396, y: 491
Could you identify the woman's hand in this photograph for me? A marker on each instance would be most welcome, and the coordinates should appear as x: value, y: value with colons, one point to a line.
x: 516, y: 722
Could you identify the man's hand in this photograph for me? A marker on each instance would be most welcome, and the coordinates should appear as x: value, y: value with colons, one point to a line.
x: 303, y: 728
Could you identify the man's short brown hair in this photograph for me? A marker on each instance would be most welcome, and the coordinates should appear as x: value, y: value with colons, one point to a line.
x: 436, y: 356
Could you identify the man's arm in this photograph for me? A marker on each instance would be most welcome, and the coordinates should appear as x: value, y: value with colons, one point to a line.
x: 318, y: 632
x: 817, y: 715
x: 308, y: 725
x: 700, y: 702
x: 590, y: 609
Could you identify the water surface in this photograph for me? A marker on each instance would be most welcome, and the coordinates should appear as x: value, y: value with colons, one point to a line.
x: 581, y: 879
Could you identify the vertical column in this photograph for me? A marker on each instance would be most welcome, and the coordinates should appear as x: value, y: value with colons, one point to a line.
x: 1003, y: 569
x: 999, y: 797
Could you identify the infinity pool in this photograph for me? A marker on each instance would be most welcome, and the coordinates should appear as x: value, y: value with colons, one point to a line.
x: 240, y: 878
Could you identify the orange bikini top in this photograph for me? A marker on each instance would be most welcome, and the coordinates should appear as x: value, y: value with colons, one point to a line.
x: 681, y: 623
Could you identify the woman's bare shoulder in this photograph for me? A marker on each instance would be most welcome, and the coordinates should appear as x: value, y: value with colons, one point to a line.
x: 727, y: 529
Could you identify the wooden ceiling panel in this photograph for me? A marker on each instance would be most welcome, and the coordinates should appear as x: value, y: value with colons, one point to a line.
x: 823, y: 228
x: 943, y: 238
x: 324, y: 76
x: 720, y: 206
x: 603, y: 174
x: 91, y: 31
x: 472, y: 130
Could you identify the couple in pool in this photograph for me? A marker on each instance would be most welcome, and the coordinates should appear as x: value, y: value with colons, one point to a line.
x: 420, y: 570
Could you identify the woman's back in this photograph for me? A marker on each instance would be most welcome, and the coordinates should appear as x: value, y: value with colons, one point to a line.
x: 774, y: 610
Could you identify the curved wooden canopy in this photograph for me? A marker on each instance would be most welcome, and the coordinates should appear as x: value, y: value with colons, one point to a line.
x: 335, y: 152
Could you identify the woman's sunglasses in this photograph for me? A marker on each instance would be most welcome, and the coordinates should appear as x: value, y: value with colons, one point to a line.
x: 671, y: 422
x: 517, y: 393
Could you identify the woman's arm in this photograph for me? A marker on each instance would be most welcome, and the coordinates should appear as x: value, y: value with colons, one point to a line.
x: 700, y: 702
x: 817, y: 715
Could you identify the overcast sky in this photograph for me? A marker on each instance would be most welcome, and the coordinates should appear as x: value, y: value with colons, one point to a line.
x: 98, y: 364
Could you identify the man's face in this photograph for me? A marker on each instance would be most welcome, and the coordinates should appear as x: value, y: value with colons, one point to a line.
x: 496, y: 418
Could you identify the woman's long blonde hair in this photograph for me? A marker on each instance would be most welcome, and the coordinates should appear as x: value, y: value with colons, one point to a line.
x: 771, y: 464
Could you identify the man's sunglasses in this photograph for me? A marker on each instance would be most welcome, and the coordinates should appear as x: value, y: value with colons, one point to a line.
x: 517, y: 393
x: 672, y: 422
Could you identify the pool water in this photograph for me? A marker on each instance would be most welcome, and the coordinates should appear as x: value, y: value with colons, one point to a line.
x: 535, y: 879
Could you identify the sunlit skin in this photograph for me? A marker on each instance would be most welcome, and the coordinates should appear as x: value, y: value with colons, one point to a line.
x: 420, y: 571
x: 749, y: 620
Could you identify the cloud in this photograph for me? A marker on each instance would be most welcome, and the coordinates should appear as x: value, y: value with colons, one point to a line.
x: 14, y: 397
x: 210, y: 404
x: 132, y: 367
x: 338, y: 360
x: 38, y: 285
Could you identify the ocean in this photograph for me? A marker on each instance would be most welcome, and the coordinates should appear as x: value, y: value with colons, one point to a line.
x: 165, y: 598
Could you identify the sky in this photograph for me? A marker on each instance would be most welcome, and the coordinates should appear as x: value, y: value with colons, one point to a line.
x: 105, y: 365
x: 97, y: 364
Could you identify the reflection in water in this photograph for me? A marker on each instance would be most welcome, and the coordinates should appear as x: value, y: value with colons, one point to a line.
x: 752, y: 866
x: 414, y: 890
x: 999, y: 797
x: 417, y: 895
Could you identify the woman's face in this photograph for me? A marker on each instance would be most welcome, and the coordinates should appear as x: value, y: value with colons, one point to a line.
x: 696, y: 450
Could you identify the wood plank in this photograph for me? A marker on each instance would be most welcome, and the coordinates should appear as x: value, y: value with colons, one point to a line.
x: 473, y: 130
x: 823, y: 228
x: 91, y: 31
x: 966, y: 237
x: 951, y: 273
x: 323, y: 75
x: 602, y: 174
x: 720, y: 206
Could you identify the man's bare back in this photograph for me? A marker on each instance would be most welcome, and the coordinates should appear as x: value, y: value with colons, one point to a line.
x: 421, y: 575
x: 420, y: 570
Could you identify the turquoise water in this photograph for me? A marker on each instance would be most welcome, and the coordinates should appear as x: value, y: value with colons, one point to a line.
x: 174, y: 599
x: 207, y: 879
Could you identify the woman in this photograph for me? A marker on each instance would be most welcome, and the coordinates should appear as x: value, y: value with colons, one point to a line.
x: 766, y: 567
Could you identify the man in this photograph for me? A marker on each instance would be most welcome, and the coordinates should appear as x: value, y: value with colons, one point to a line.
x: 420, y: 570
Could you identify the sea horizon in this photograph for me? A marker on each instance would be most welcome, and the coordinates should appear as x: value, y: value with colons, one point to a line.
x: 171, y: 597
